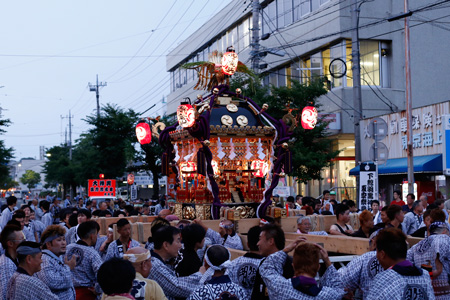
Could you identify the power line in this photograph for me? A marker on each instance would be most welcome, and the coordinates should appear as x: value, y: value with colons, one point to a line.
x: 145, y: 42
x: 123, y: 78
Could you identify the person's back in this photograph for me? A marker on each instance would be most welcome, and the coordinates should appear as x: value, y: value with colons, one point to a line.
x: 401, y: 280
x: 306, y: 265
x: 214, y: 283
x: 433, y: 252
x: 243, y: 269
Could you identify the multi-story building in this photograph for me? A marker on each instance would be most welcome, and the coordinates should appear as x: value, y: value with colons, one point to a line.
x: 313, y: 33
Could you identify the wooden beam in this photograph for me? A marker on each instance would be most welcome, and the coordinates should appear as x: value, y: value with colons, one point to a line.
x: 335, y: 243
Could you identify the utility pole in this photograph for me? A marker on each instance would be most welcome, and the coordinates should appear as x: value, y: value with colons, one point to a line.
x: 357, y: 102
x: 408, y: 95
x: 70, y: 150
x: 95, y: 88
x: 70, y: 136
x: 410, y: 161
x: 255, y: 35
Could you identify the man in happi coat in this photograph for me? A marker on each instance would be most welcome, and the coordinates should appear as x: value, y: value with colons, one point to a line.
x: 88, y: 261
x: 83, y: 215
x: 143, y: 288
x: 47, y: 217
x: 401, y: 280
x: 118, y: 247
x: 226, y: 236
x: 271, y: 240
x: 23, y: 285
x: 215, y: 285
x: 55, y: 268
x: 414, y: 218
x: 242, y: 270
x: 361, y: 271
x: 167, y: 243
x: 10, y: 237
x: 302, y: 286
x: 7, y: 213
x: 433, y: 253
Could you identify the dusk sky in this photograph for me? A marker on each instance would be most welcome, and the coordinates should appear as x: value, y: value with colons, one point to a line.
x: 50, y: 50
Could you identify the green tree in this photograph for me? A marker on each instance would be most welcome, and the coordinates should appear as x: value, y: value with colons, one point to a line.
x: 58, y: 168
x: 108, y: 147
x: 150, y: 154
x: 30, y: 179
x: 312, y: 150
x: 6, y: 154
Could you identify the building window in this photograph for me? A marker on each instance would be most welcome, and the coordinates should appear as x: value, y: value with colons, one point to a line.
x: 370, y: 62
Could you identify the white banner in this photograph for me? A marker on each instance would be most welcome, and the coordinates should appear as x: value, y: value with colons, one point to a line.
x: 368, y: 185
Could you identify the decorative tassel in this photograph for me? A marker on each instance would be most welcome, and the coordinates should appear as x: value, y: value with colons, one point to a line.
x: 288, y: 162
x: 165, y: 164
x: 201, y: 162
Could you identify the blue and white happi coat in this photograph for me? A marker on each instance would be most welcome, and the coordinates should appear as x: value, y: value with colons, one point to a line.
x: 242, y: 270
x: 56, y: 275
x: 411, y: 222
x: 173, y: 286
x: 39, y: 228
x: 219, y: 288
x: 88, y: 262
x: 391, y: 285
x: 7, y: 269
x: 71, y: 235
x: 279, y: 287
x: 116, y: 249
x: 6, y: 216
x: 47, y: 219
x: 22, y: 286
x: 360, y: 272
x: 426, y: 252
x: 230, y: 241
x: 28, y: 231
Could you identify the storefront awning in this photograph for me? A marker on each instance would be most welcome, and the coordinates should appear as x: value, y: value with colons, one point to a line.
x: 427, y: 163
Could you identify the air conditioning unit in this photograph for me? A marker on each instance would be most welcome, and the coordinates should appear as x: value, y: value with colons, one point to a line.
x: 447, y: 172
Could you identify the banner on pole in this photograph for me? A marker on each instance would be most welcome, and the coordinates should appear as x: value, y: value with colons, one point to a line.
x: 368, y: 184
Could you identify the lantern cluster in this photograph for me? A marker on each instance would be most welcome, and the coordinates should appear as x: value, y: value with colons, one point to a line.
x: 309, y: 117
x: 143, y: 133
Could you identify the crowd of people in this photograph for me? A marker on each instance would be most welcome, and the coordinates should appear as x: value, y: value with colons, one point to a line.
x: 55, y: 251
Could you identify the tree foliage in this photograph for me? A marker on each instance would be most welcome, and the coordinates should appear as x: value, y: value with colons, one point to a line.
x: 106, y: 148
x: 6, y: 154
x: 311, y: 149
x: 30, y: 178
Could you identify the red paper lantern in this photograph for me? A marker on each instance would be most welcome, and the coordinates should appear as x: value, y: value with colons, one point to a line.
x: 229, y: 62
x: 143, y: 133
x: 309, y: 117
x: 186, y: 115
x: 130, y: 178
x: 261, y: 168
x: 102, y: 176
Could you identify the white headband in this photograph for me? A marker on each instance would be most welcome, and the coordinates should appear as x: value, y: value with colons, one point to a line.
x: 212, y: 268
x: 136, y: 258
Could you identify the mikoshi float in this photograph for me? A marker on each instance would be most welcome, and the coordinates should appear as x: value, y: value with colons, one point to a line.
x: 226, y: 151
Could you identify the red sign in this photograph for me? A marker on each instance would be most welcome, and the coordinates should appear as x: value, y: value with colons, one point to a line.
x: 309, y: 117
x: 143, y: 133
x: 101, y: 188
